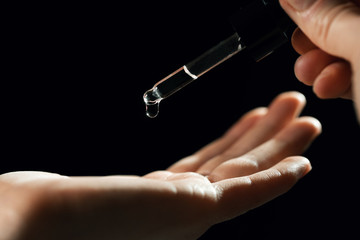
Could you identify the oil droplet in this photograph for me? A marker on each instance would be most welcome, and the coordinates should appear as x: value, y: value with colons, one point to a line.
x: 152, y: 110
x: 152, y: 100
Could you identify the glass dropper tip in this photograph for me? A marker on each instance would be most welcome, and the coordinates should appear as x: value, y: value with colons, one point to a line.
x: 152, y: 101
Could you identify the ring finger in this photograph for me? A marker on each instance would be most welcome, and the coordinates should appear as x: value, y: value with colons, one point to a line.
x: 281, y: 112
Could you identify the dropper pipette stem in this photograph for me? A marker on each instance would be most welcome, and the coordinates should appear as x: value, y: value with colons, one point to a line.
x: 194, y: 69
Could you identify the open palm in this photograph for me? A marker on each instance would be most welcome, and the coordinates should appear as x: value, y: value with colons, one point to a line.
x: 248, y: 166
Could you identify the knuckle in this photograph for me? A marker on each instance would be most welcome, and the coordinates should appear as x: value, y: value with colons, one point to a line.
x: 327, y: 24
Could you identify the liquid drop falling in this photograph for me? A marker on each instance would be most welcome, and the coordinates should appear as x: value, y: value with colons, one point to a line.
x: 152, y: 110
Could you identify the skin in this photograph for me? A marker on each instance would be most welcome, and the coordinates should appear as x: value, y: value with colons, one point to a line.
x: 248, y: 166
x: 328, y: 41
x: 252, y: 163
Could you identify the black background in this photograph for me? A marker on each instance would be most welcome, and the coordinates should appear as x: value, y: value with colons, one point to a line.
x: 73, y: 80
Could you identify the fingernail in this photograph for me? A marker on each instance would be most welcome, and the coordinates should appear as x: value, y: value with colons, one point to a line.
x: 301, y: 5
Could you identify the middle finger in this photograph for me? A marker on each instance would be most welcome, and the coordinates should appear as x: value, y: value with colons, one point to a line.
x: 281, y: 112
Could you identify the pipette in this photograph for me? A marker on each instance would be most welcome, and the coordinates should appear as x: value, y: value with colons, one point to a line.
x: 190, y: 72
x: 261, y: 27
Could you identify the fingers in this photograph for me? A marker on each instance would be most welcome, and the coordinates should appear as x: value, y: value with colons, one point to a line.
x: 301, y: 43
x: 193, y: 162
x: 330, y: 76
x: 325, y: 21
x: 311, y: 64
x: 238, y: 195
x: 333, y: 26
x: 281, y: 111
x: 251, y: 130
x: 334, y: 81
x: 292, y: 140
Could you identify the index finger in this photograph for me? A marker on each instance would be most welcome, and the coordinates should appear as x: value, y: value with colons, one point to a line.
x: 301, y: 43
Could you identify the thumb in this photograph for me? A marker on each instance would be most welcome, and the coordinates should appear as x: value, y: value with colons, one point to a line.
x: 332, y: 25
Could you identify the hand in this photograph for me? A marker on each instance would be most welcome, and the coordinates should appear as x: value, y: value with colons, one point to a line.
x: 328, y: 39
x: 248, y: 166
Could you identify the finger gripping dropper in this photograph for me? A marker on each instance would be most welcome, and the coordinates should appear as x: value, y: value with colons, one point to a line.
x: 261, y: 26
